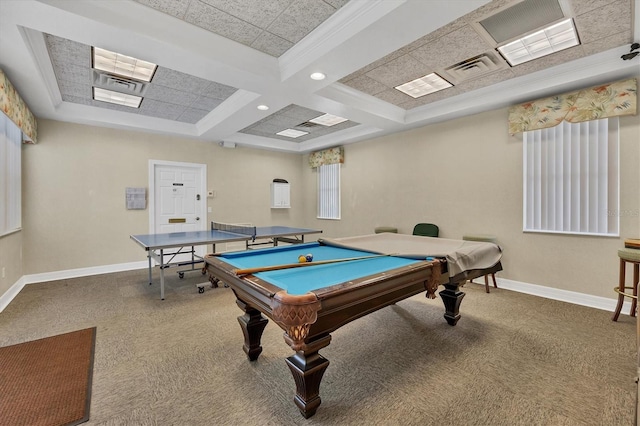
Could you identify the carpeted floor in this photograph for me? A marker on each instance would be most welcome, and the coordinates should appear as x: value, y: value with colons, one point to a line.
x: 513, y: 359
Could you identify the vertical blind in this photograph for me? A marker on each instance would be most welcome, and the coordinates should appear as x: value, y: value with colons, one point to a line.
x: 10, y: 176
x: 329, y: 191
x: 571, y: 178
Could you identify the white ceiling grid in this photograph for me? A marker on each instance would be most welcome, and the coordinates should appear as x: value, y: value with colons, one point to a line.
x: 219, y: 59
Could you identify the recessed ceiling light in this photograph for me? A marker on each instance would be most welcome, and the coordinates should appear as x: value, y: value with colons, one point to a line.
x: 549, y: 40
x: 328, y: 120
x: 317, y: 76
x: 424, y: 85
x: 122, y: 65
x: 262, y: 107
x: 116, y: 97
x: 291, y: 133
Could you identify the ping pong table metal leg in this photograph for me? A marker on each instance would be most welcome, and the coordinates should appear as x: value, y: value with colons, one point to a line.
x: 161, y: 274
x: 149, y: 258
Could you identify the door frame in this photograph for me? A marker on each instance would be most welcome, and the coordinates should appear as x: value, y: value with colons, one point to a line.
x: 202, y: 168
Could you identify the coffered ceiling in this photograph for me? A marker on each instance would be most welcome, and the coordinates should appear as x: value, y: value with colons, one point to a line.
x: 218, y: 60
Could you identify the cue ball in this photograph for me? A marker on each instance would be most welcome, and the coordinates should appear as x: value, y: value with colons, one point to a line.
x: 302, y: 258
x: 309, y: 257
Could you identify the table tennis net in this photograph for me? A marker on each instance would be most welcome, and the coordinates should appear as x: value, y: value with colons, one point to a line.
x: 237, y: 229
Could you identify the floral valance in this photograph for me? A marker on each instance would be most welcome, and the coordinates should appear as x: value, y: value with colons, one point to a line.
x: 327, y: 156
x: 14, y: 107
x: 609, y: 100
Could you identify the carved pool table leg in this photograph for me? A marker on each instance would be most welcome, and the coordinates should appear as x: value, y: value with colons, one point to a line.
x: 452, y: 297
x: 307, y: 367
x: 252, y: 324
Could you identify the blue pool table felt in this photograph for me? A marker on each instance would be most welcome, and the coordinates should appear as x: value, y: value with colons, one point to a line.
x: 301, y: 280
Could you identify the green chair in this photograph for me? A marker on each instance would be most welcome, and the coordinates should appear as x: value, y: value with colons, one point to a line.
x: 426, y: 230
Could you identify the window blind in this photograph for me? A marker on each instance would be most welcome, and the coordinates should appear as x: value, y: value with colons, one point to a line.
x: 329, y: 191
x: 571, y: 178
x: 10, y: 176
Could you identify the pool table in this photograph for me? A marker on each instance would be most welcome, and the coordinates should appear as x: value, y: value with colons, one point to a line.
x: 309, y: 302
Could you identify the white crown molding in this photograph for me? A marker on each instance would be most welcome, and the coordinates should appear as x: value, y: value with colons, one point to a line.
x: 596, y: 69
x: 344, y: 24
x: 34, y: 40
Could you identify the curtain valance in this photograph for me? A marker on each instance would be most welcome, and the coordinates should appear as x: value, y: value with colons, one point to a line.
x: 16, y: 109
x: 609, y: 100
x: 327, y: 156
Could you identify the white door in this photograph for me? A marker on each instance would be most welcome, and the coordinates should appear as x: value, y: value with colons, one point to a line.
x: 178, y: 197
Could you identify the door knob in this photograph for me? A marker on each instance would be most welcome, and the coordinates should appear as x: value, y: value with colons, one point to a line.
x: 197, y: 218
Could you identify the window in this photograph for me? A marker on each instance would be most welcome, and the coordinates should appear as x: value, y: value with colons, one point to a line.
x: 329, y: 191
x: 571, y: 178
x: 10, y: 176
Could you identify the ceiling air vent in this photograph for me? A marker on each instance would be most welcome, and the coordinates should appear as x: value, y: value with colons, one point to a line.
x: 475, y: 67
x: 307, y: 124
x: 118, y: 84
x: 521, y: 18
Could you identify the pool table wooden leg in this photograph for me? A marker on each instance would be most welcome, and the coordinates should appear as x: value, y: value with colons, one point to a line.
x: 452, y: 297
x: 252, y: 324
x: 307, y: 367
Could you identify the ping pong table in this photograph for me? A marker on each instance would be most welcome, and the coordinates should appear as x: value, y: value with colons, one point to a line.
x: 159, y: 246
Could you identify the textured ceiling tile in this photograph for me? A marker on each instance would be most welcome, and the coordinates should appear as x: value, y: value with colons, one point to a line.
x: 258, y: 13
x: 271, y: 44
x: 300, y: 19
x: 159, y: 109
x: 222, y: 23
x: 179, y: 80
x: 299, y: 113
x: 366, y: 84
x: 452, y: 48
x: 176, y: 8
x: 216, y: 90
x: 549, y: 61
x: 613, y: 41
x: 440, y: 32
x: 250, y: 131
x: 270, y: 128
x: 583, y: 6
x: 399, y: 71
x: 487, y: 80
x: 393, y: 96
x: 279, y: 122
x: 71, y: 72
x: 488, y: 9
x: 74, y: 88
x: 77, y: 99
x: 206, y: 103
x: 337, y: 3
x: 603, y: 22
x: 63, y: 51
x: 192, y: 115
x: 167, y: 94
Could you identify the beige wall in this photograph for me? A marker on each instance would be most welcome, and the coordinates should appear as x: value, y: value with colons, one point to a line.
x: 465, y: 175
x: 74, y: 213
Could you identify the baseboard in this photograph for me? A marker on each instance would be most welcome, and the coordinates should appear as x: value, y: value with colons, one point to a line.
x: 598, y: 302
x: 10, y: 294
x: 576, y: 298
x: 84, y: 272
x: 13, y: 291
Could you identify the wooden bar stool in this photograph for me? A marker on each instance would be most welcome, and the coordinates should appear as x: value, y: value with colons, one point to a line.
x: 627, y: 255
x: 485, y: 239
